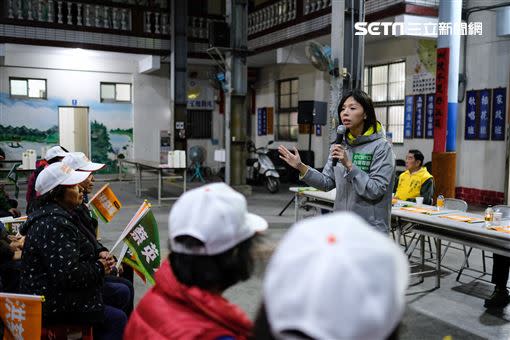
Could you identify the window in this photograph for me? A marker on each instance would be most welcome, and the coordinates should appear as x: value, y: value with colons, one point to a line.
x: 27, y: 88
x: 115, y: 92
x: 386, y: 85
x: 287, y: 120
x: 198, y: 125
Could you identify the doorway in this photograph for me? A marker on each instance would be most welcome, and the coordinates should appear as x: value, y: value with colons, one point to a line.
x: 74, y: 128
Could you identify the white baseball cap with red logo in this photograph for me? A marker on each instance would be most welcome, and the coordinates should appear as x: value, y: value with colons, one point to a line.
x: 79, y: 161
x: 58, y: 174
x: 55, y: 151
x: 215, y: 214
x: 335, y: 277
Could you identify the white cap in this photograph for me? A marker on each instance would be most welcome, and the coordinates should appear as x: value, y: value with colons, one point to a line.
x: 58, y: 174
x: 55, y: 151
x: 335, y: 277
x: 215, y: 214
x: 79, y: 161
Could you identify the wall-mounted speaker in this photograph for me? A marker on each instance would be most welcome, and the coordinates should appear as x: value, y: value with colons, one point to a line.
x: 312, y: 112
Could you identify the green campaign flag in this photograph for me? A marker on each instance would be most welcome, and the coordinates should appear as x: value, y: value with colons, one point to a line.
x: 143, y: 243
x: 96, y: 214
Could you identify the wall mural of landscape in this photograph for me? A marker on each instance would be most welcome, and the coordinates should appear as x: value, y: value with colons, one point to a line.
x: 33, y: 124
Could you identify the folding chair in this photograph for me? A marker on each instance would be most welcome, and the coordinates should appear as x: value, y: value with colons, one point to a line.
x: 467, y: 252
x: 454, y: 204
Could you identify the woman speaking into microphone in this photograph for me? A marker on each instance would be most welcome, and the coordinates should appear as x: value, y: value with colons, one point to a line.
x: 360, y: 165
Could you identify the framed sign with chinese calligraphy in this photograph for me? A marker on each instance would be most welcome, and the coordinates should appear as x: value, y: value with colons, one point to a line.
x: 408, y: 117
x: 484, y: 120
x: 261, y: 121
x: 499, y: 114
x: 429, y: 115
x: 471, y: 131
x: 419, y: 110
x: 441, y: 99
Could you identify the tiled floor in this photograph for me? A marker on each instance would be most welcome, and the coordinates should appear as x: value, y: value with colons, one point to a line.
x: 455, y: 309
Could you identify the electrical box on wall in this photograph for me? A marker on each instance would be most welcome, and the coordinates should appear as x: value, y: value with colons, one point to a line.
x: 164, y: 145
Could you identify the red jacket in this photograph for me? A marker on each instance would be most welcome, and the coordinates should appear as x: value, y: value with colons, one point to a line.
x: 31, y: 193
x: 171, y: 310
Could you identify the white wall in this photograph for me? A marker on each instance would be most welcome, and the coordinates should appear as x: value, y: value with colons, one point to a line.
x: 390, y: 50
x: 72, y: 59
x: 63, y: 86
x: 481, y: 164
x: 151, y: 106
x: 313, y: 85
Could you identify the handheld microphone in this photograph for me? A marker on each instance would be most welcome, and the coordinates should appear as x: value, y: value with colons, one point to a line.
x: 340, y: 131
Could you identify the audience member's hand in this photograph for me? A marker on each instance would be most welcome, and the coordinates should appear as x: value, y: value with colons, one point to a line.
x: 111, y: 261
x: 106, y: 267
x: 16, y: 245
x: 14, y: 237
x: 108, y: 257
x: 14, y: 212
x: 17, y: 255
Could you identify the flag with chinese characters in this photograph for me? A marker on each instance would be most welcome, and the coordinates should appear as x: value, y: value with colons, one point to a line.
x: 21, y: 315
x: 105, y: 204
x: 142, y: 238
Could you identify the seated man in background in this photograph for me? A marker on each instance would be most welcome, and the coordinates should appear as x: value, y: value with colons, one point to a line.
x: 416, y: 181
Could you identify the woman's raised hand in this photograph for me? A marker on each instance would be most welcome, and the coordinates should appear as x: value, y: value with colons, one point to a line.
x: 292, y: 158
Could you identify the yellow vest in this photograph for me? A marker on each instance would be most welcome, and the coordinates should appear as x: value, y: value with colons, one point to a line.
x: 409, y: 185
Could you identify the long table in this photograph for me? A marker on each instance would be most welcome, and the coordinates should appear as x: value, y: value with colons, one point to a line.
x: 474, y: 235
x: 160, y: 169
x: 310, y: 197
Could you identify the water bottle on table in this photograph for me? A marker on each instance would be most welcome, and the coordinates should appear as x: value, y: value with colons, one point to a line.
x: 440, y: 202
x: 489, y: 216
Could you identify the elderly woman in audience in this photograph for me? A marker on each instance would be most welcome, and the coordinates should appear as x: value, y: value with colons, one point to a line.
x: 117, y: 291
x: 210, y: 236
x: 333, y: 277
x: 60, y: 261
x: 53, y: 155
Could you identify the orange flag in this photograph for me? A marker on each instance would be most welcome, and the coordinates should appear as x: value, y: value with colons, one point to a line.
x: 21, y: 315
x: 105, y: 203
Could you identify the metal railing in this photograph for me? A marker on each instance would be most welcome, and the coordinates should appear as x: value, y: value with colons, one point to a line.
x: 272, y: 15
x: 109, y: 16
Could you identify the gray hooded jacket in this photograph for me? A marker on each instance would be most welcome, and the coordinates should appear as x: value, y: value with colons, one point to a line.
x: 366, y: 189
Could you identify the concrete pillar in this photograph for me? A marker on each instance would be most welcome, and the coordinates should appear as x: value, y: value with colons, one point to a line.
x: 236, y: 114
x: 178, y: 73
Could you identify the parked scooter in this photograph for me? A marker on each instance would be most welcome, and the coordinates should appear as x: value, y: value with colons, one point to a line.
x: 262, y: 168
